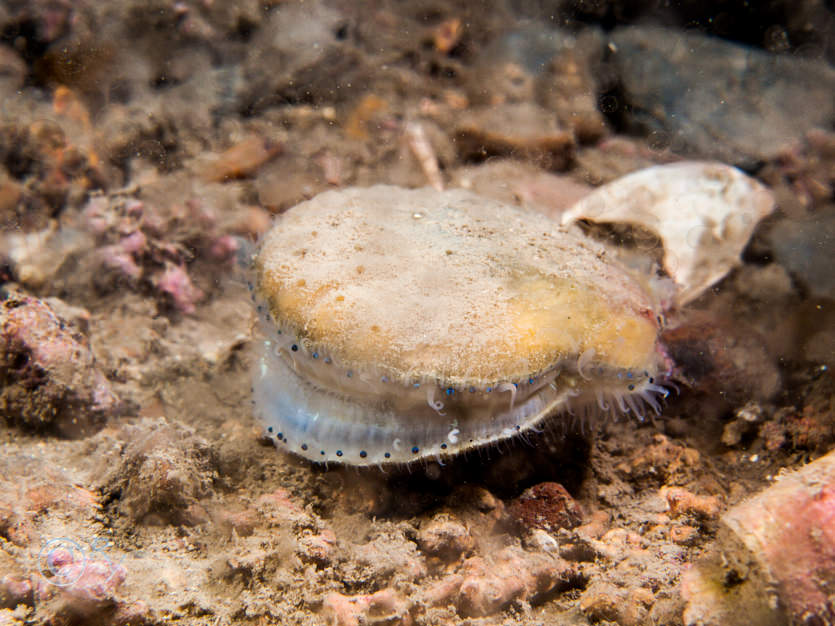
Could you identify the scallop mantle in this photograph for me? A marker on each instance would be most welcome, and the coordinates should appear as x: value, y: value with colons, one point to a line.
x: 409, y: 324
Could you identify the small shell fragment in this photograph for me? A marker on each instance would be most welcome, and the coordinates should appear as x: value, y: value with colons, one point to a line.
x: 703, y: 212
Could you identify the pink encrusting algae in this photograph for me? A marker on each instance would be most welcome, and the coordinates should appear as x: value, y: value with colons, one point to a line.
x: 411, y: 324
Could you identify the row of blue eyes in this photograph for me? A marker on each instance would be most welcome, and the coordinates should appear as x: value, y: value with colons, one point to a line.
x: 363, y: 453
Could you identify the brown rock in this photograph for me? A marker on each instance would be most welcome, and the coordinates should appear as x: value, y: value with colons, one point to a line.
x: 683, y: 502
x: 773, y: 561
x: 162, y: 472
x: 48, y: 375
x: 241, y: 160
x: 523, y: 130
x: 444, y: 537
x: 684, y: 535
x: 489, y: 585
x: 722, y: 358
x: 547, y: 506
x: 603, y: 602
x: 383, y: 607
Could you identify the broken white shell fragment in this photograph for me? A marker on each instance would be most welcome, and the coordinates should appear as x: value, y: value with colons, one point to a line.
x: 703, y: 212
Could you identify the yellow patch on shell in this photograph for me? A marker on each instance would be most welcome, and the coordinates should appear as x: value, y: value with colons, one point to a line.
x: 449, y: 286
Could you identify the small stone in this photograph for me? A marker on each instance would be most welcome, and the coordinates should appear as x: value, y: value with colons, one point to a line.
x: 382, y: 607
x: 684, y: 535
x: 162, y: 473
x: 683, y: 502
x: 49, y: 379
x: 318, y: 548
x: 601, y: 603
x: 523, y: 130
x: 547, y: 506
x: 491, y: 584
x: 604, y: 602
x: 444, y: 537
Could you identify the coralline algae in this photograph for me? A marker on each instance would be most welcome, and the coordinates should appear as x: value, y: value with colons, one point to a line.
x: 411, y: 324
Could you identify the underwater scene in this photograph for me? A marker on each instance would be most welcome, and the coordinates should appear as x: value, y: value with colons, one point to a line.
x: 417, y: 313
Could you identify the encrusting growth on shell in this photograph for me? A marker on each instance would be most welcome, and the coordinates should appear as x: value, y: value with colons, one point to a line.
x: 371, y: 295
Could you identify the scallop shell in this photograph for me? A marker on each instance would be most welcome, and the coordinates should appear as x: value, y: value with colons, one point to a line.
x: 704, y: 213
x: 406, y: 324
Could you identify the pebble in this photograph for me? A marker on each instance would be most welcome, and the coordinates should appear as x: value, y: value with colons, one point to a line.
x: 547, y: 506
x: 444, y: 537
x: 52, y: 381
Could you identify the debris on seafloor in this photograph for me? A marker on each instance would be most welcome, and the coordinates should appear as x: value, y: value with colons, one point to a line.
x: 703, y: 212
x: 773, y: 561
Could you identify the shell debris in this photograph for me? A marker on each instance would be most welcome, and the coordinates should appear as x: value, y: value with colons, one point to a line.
x: 703, y: 212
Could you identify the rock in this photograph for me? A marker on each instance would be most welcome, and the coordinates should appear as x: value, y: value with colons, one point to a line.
x: 444, y: 537
x: 547, y: 506
x: 804, y: 248
x: 526, y: 131
x: 299, y: 55
x: 162, y: 473
x: 489, y: 585
x: 569, y: 87
x: 722, y: 357
x: 384, y: 607
x: 507, y: 70
x: 717, y: 99
x: 683, y: 502
x: 49, y: 379
x: 744, y: 424
x: 773, y: 561
x: 523, y: 184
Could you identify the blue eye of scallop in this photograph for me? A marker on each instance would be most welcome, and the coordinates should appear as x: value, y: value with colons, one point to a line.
x: 387, y: 455
x: 294, y: 348
x: 315, y: 355
x: 443, y: 446
x: 450, y: 391
x: 339, y: 453
x: 363, y: 454
x: 304, y: 446
x: 415, y: 450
